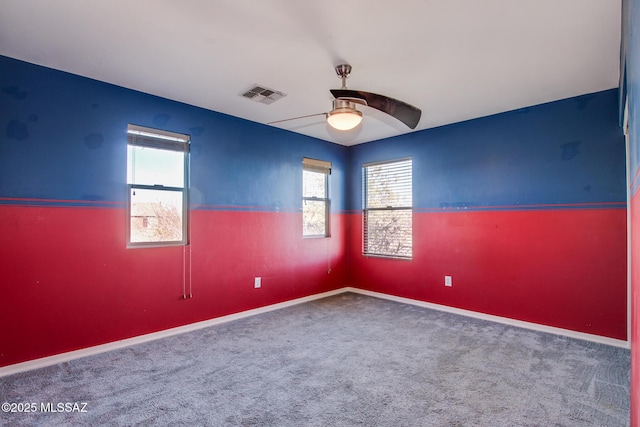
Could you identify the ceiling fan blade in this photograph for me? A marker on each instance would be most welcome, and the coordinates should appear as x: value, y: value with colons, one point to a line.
x: 407, y: 114
x: 296, y: 118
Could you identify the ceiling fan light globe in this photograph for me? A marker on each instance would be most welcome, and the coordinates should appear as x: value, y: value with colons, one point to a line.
x: 344, y: 118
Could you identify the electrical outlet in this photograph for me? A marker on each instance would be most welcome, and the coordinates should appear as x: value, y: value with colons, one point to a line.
x: 447, y: 281
x: 257, y: 282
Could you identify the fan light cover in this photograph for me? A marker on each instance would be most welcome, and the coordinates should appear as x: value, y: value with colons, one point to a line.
x: 344, y: 116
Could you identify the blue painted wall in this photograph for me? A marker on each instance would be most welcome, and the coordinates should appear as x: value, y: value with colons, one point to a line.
x: 565, y: 152
x: 631, y: 53
x: 64, y: 138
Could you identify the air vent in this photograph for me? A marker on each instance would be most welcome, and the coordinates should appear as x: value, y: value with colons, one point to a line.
x: 263, y: 95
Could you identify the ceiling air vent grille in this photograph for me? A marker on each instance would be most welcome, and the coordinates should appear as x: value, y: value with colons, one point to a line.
x: 263, y: 95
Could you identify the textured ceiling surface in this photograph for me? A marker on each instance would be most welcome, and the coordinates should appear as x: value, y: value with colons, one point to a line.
x: 455, y: 60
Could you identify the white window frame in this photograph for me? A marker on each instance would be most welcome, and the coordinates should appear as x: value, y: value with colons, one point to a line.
x: 403, y: 182
x: 323, y: 167
x: 140, y: 136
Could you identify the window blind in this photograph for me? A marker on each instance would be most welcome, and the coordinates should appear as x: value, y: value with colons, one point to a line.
x: 388, y: 209
x: 155, y: 138
x: 314, y: 165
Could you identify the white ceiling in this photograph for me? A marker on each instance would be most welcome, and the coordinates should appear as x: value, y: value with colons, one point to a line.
x: 454, y: 59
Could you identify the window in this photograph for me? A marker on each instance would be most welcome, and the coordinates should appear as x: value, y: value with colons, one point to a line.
x: 387, y: 209
x: 315, y: 197
x: 156, y: 177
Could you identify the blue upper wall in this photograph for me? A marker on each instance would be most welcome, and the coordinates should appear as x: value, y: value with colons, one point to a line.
x: 63, y: 137
x: 630, y: 75
x: 561, y: 153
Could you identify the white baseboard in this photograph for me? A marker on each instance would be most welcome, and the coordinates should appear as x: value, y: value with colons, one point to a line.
x: 90, y: 351
x: 504, y: 320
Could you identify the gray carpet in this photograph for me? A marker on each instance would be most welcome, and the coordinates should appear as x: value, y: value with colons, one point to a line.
x: 348, y: 360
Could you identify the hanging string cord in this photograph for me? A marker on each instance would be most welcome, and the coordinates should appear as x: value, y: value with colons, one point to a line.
x: 184, y: 273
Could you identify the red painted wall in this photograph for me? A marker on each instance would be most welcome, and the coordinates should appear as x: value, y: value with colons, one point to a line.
x: 70, y: 282
x: 634, y: 208
x: 550, y: 267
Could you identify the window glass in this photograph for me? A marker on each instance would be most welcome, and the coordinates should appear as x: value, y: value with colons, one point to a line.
x: 314, y: 184
x: 152, y: 166
x: 314, y: 213
x: 156, y: 215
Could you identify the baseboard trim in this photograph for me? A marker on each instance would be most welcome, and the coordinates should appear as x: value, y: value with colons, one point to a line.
x: 504, y: 320
x: 90, y: 351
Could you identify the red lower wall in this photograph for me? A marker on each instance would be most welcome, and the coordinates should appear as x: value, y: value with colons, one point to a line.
x: 561, y: 268
x: 635, y: 309
x: 68, y: 281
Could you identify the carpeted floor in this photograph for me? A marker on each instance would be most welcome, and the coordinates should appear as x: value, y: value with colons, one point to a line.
x: 348, y: 360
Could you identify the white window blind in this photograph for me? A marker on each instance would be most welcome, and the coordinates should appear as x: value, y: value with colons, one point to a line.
x: 388, y: 209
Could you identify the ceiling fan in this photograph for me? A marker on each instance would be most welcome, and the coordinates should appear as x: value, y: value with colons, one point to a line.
x: 345, y: 115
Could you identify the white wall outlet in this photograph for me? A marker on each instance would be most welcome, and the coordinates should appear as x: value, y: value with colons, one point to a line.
x: 448, y: 281
x: 257, y: 282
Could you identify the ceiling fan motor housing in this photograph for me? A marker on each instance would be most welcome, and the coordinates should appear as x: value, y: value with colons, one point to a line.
x: 344, y: 106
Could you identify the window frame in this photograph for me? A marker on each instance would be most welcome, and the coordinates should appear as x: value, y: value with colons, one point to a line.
x: 366, y: 209
x: 323, y: 167
x: 139, y: 136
